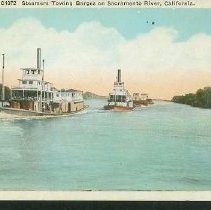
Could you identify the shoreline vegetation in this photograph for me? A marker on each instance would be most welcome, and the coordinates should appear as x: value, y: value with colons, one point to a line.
x: 90, y: 95
x: 201, y: 99
x: 7, y: 92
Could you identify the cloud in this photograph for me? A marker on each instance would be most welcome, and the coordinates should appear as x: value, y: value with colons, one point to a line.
x: 88, y: 57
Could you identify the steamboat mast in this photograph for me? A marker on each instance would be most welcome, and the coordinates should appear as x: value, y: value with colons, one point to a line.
x: 3, y: 88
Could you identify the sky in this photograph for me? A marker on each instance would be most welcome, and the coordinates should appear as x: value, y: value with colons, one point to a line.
x: 83, y: 48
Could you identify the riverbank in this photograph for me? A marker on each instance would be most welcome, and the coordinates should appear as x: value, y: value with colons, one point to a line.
x: 201, y: 99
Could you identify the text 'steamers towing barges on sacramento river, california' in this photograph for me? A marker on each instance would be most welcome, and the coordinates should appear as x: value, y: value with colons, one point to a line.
x: 119, y: 99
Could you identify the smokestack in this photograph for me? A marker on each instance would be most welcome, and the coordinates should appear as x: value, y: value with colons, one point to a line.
x: 119, y: 76
x: 38, y: 58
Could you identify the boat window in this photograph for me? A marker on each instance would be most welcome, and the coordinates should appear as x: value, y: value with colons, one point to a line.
x: 24, y: 82
x: 123, y: 98
x: 30, y: 82
x: 112, y: 97
x: 118, y: 98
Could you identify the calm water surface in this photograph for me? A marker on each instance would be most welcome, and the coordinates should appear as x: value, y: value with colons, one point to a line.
x: 165, y: 146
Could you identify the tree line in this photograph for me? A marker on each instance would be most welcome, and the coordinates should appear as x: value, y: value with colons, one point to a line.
x: 202, y: 98
x: 7, y: 92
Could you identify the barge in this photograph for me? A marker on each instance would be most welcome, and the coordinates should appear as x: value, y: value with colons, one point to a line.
x: 141, y: 99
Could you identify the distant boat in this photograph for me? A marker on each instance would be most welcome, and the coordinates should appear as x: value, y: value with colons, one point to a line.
x: 119, y: 99
x: 141, y: 99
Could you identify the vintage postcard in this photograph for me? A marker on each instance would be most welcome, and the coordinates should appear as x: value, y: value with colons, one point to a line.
x: 105, y: 100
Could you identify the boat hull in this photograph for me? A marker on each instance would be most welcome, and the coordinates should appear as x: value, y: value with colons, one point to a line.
x: 118, y: 108
x: 28, y: 113
x: 142, y: 102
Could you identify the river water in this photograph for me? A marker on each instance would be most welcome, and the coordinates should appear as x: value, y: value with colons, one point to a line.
x: 164, y: 146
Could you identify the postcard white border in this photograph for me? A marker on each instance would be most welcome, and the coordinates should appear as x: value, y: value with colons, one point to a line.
x: 107, y: 195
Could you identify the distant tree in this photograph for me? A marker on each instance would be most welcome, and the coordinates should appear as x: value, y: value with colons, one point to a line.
x: 202, y: 98
x: 7, y: 92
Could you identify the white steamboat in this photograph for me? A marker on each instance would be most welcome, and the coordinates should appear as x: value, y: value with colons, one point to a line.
x: 119, y: 99
x: 35, y: 96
